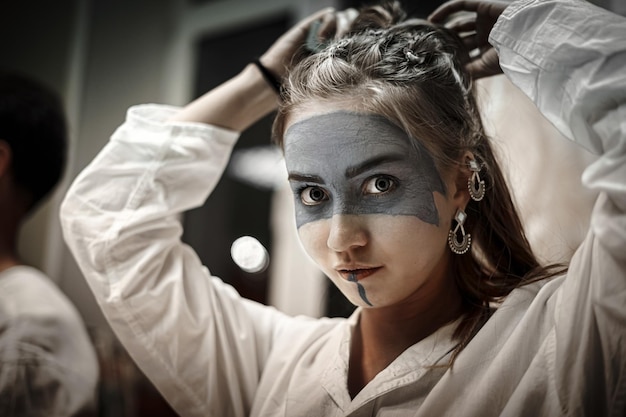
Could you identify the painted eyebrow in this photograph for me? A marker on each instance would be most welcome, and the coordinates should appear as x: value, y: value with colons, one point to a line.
x: 371, y: 163
x: 295, y: 176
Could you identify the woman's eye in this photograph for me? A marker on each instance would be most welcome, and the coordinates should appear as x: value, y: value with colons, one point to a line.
x: 379, y: 185
x: 311, y: 196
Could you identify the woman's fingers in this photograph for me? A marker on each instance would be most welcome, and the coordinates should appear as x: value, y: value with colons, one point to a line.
x: 444, y: 11
x: 467, y: 24
x: 280, y: 54
x: 335, y: 25
x: 485, y: 66
x: 470, y: 42
x: 344, y: 21
x: 327, y: 26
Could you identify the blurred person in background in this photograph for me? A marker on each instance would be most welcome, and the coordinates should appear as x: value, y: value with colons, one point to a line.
x: 48, y: 366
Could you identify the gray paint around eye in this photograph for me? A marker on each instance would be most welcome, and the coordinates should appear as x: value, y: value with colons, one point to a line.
x: 328, y: 145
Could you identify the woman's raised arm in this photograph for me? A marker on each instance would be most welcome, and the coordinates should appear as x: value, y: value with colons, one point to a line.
x: 244, y: 99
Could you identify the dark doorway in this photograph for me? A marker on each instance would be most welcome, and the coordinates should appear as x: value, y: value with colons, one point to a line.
x: 234, y: 209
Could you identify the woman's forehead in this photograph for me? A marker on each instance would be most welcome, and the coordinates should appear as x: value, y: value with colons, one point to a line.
x: 341, y: 130
x: 337, y: 142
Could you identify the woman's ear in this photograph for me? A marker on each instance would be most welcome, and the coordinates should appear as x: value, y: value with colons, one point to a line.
x: 463, y: 173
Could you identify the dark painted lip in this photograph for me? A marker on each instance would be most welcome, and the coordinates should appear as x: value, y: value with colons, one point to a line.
x: 359, y: 274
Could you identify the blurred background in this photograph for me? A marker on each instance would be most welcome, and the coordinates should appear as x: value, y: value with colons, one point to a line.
x: 103, y: 56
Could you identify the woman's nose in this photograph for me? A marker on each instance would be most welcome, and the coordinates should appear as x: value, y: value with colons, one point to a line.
x: 347, y: 231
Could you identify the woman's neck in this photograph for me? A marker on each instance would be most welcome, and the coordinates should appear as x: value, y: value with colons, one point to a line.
x: 382, y: 334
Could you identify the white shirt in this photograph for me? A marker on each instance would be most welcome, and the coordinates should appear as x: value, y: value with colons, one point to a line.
x: 552, y: 348
x: 48, y: 366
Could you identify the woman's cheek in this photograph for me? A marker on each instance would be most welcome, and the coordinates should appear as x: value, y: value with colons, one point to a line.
x: 313, y: 236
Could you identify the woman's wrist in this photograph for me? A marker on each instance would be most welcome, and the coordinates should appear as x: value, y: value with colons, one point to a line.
x: 269, y: 76
x: 235, y: 104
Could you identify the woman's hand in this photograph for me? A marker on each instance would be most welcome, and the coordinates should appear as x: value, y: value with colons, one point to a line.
x: 279, y: 56
x: 245, y: 98
x: 474, y: 30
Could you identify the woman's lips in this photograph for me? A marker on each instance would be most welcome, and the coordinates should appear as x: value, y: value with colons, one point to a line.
x: 357, y: 274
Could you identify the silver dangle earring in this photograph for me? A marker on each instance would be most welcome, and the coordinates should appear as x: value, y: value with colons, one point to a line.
x: 475, y: 185
x: 459, y: 247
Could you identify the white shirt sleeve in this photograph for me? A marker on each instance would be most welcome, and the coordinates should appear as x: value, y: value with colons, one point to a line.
x: 569, y: 58
x: 571, y: 62
x: 200, y: 343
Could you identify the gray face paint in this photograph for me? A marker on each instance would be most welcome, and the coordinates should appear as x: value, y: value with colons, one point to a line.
x: 355, y: 163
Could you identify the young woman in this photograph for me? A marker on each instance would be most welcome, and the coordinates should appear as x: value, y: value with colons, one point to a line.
x: 48, y: 366
x: 399, y: 200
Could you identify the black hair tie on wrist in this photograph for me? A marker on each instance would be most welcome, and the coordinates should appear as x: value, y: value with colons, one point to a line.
x: 269, y: 77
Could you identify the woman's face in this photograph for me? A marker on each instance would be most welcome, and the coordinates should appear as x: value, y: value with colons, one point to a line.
x: 371, y: 208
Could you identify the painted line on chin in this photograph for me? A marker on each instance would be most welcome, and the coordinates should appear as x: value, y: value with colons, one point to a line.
x: 352, y: 278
